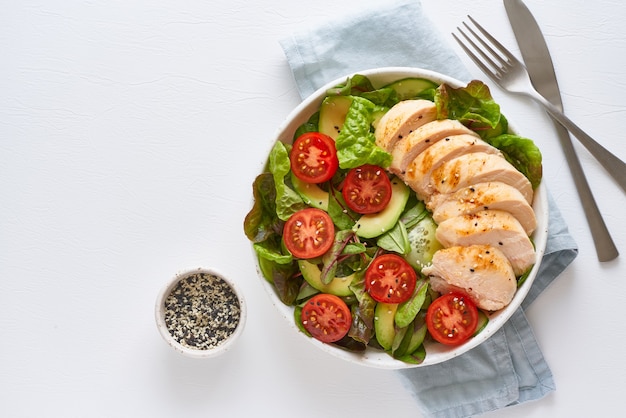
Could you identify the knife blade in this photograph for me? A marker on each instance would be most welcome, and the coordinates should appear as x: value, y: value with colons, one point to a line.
x: 539, y: 64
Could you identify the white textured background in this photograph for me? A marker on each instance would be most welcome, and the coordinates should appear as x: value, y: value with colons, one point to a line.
x: 130, y: 133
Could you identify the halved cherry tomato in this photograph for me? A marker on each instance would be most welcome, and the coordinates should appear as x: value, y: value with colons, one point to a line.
x: 390, y: 279
x: 314, y: 157
x: 309, y: 233
x: 367, y: 189
x: 452, y: 318
x: 326, y: 317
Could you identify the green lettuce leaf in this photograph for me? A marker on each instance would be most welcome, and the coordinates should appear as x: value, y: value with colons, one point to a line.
x: 356, y: 144
x: 523, y: 154
x: 395, y: 240
x: 311, y: 125
x: 288, y: 201
x: 271, y: 250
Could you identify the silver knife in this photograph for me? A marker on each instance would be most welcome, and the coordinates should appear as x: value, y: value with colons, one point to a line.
x: 539, y: 64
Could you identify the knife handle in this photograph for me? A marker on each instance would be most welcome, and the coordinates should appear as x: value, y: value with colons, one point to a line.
x: 613, y: 165
x: 603, y: 242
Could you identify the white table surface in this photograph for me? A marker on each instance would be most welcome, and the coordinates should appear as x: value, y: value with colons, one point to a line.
x: 130, y: 133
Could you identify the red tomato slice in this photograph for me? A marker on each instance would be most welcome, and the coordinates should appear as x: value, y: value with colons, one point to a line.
x: 314, y: 157
x: 309, y: 233
x: 390, y: 279
x: 452, y: 318
x: 326, y: 317
x: 367, y: 189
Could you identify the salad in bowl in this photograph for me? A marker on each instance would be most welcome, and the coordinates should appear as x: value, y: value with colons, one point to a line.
x: 399, y: 220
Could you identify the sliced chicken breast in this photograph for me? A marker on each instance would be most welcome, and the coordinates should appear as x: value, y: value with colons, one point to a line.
x: 481, y: 271
x: 401, y: 120
x: 497, y: 228
x: 477, y: 167
x: 483, y: 196
x: 418, y: 172
x: 410, y: 146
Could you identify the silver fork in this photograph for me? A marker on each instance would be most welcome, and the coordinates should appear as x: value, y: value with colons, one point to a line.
x: 509, y: 73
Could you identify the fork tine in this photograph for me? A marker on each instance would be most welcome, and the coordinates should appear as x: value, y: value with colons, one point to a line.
x: 500, y: 61
x: 474, y: 58
x: 505, y: 52
x: 489, y: 58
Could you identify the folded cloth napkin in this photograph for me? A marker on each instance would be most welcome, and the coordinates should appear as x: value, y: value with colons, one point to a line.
x: 509, y: 367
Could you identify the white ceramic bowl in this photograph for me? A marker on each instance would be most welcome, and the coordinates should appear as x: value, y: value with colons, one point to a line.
x: 435, y: 353
x: 211, y: 303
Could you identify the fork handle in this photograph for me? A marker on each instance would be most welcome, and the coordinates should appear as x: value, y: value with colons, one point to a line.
x: 613, y: 165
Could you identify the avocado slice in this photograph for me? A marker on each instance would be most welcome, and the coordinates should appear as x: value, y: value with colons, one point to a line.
x: 333, y: 113
x: 375, y: 224
x: 311, y: 194
x: 384, y: 328
x: 339, y: 286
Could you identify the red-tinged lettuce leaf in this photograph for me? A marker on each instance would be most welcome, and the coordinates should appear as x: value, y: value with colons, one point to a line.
x: 354, y: 86
x: 333, y: 257
x: 362, y: 328
x: 287, y: 282
x: 471, y: 105
x: 261, y: 222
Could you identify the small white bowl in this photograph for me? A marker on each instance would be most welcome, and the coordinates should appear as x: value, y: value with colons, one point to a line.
x: 200, y: 313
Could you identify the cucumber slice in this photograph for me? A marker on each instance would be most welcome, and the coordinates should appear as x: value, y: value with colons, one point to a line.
x: 483, y: 320
x: 423, y: 242
x: 375, y: 224
x: 412, y: 87
x: 377, y: 115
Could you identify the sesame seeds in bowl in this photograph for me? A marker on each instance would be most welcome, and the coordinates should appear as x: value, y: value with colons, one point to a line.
x: 200, y: 313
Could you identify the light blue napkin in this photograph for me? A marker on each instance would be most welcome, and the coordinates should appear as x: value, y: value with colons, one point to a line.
x: 509, y: 367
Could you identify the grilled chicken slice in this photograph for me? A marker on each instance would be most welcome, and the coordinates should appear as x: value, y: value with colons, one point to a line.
x: 419, y: 171
x: 481, y: 271
x: 497, y: 228
x: 477, y: 167
x: 401, y: 120
x: 409, y: 147
x: 483, y: 196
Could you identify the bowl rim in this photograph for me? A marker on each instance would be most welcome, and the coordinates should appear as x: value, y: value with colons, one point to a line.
x: 167, y: 336
x: 436, y: 353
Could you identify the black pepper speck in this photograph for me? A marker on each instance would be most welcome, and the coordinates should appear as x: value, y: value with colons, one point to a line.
x: 202, y: 311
